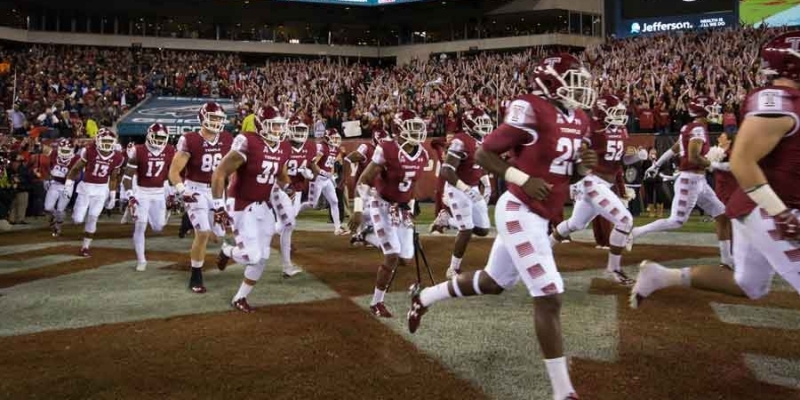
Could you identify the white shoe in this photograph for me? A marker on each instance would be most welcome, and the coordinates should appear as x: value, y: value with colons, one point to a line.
x: 291, y: 270
x: 652, y: 276
x: 451, y: 273
x: 341, y: 232
x: 141, y: 266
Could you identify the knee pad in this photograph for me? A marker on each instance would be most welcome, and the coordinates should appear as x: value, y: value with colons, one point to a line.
x: 91, y: 224
x: 617, y: 238
x: 253, y: 272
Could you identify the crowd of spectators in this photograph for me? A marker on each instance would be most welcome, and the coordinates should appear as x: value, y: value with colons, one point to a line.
x: 69, y: 91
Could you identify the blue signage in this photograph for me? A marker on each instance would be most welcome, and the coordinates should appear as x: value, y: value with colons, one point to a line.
x: 643, y: 26
x: 178, y: 114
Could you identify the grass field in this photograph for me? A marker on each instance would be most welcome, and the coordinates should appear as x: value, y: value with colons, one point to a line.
x: 695, y: 224
x: 753, y: 11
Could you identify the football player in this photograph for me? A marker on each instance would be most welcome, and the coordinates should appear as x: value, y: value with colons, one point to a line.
x: 149, y: 164
x: 200, y: 153
x: 359, y: 160
x: 323, y: 184
x: 470, y: 211
x: 62, y: 159
x: 260, y: 163
x: 101, y: 165
x: 546, y: 136
x: 301, y: 168
x: 388, y: 185
x: 764, y: 208
x: 691, y: 187
x: 594, y: 192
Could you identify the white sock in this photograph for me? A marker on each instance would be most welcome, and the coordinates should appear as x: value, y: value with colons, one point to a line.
x: 244, y: 290
x: 613, y: 262
x: 686, y: 277
x: 725, y: 252
x: 286, y: 246
x: 455, y: 263
x: 337, y: 223
x: 377, y: 297
x: 138, y: 240
x: 197, y: 264
x: 559, y: 377
x: 87, y: 242
x: 433, y: 294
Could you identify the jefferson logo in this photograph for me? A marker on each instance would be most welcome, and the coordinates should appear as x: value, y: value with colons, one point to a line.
x: 659, y: 26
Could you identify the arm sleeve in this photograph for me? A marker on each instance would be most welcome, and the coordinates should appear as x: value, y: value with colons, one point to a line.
x: 183, y: 145
x: 772, y: 103
x: 505, y: 138
x: 240, y: 145
x: 377, y: 156
x: 698, y: 133
x: 362, y: 149
x: 456, y: 148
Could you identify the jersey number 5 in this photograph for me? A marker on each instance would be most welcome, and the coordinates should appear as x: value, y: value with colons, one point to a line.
x: 405, y: 185
x: 563, y: 164
x: 210, y: 162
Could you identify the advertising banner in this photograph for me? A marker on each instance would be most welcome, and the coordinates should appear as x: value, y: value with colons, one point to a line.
x: 644, y: 26
x: 178, y: 114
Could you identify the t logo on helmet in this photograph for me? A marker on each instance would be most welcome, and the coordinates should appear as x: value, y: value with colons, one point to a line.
x: 552, y: 61
x: 793, y: 41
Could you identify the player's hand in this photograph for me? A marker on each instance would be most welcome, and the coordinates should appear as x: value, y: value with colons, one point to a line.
x: 651, y: 172
x: 307, y: 173
x: 588, y: 158
x: 133, y: 205
x: 788, y: 224
x: 190, y: 197
x: 222, y: 217
x: 355, y: 221
x: 537, y: 188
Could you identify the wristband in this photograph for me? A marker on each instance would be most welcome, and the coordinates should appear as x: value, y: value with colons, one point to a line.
x: 218, y: 203
x: 767, y: 199
x: 358, y: 205
x: 462, y: 186
x: 179, y: 187
x: 516, y: 176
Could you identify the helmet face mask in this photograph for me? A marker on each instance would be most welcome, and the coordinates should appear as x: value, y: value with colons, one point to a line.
x: 333, y: 138
x: 212, y: 117
x: 271, y: 126
x: 65, y: 151
x: 298, y: 131
x: 562, y: 78
x: 477, y: 122
x: 412, y: 129
x: 157, y: 137
x: 106, y: 140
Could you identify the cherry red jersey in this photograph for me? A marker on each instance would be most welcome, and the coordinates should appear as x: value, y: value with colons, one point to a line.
x: 151, y: 168
x: 782, y: 165
x: 609, y: 142
x: 464, y: 147
x: 689, y: 132
x: 299, y: 158
x: 98, y: 168
x: 400, y: 171
x: 256, y: 177
x: 366, y: 150
x: 328, y: 158
x: 543, y: 141
x: 204, y: 156
x: 59, y: 167
x: 724, y: 182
